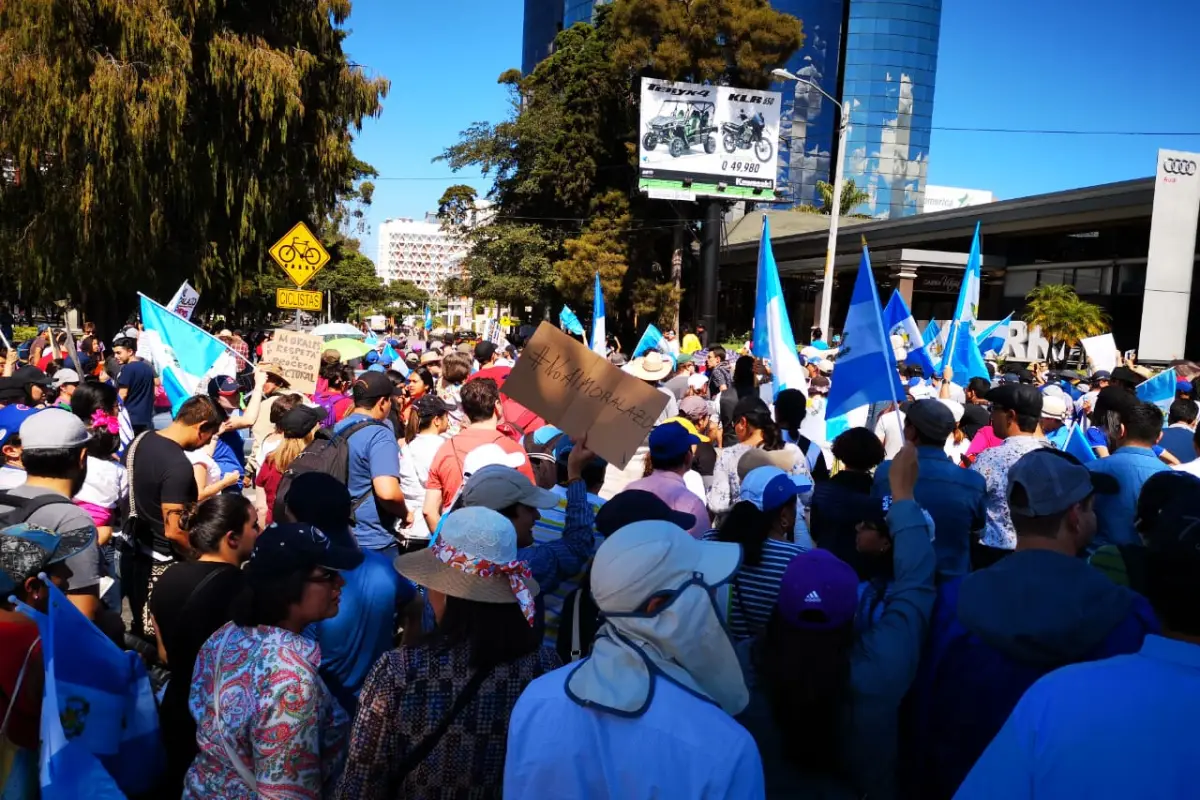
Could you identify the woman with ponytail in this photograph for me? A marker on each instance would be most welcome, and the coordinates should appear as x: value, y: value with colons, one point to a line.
x: 192, y: 600
x: 299, y: 427
x: 754, y: 428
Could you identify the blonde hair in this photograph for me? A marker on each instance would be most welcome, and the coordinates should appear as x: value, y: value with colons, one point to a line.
x: 287, y: 451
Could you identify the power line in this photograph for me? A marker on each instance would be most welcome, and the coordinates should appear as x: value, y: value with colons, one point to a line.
x: 1054, y: 132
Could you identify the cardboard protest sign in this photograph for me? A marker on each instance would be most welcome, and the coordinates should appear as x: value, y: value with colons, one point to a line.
x: 1101, y: 351
x: 571, y: 387
x: 298, y: 356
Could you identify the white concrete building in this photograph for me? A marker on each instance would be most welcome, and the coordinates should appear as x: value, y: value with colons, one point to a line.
x: 418, y: 251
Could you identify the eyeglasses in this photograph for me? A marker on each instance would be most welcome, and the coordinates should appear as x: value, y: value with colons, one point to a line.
x: 325, y: 576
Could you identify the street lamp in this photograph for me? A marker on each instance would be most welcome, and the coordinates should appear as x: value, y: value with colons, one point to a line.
x: 838, y: 178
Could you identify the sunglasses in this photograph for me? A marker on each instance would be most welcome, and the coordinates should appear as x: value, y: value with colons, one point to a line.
x: 325, y: 576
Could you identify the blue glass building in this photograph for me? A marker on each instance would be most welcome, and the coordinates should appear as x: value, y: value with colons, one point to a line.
x: 578, y: 11
x: 543, y: 20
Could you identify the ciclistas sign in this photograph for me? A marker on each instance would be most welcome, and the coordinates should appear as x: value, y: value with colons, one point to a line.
x: 300, y: 254
x: 298, y: 299
x: 298, y: 356
x: 571, y: 387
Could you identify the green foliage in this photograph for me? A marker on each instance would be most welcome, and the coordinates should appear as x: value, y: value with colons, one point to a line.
x: 1062, y: 315
x: 23, y: 333
x: 704, y: 40
x: 163, y: 141
x: 852, y: 196
x: 601, y: 247
x: 455, y: 205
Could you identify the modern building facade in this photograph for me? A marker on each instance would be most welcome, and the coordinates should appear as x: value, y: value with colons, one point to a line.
x: 543, y: 21
x: 419, y: 251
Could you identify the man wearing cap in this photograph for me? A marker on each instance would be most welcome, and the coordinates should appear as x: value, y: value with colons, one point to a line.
x: 1180, y: 431
x: 996, y: 631
x: 54, y: 454
x: 230, y: 452
x: 953, y: 496
x: 657, y: 693
x: 1056, y: 413
x: 374, y: 463
x: 698, y: 412
x: 135, y: 385
x: 33, y: 383
x: 64, y: 382
x: 671, y: 456
x: 12, y: 471
x: 1016, y: 411
x: 485, y: 355
x: 1132, y: 463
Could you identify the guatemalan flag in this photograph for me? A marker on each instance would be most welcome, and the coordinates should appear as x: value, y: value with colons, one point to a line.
x: 652, y: 339
x: 897, y: 315
x: 428, y: 317
x: 569, y: 322
x: 994, y: 336
x: 962, y: 352
x: 773, y: 337
x: 1159, y: 390
x: 599, y: 335
x: 184, y: 355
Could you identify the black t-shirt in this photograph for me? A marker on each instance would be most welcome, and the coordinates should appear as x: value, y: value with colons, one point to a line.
x: 162, y: 474
x: 138, y: 378
x: 183, y: 633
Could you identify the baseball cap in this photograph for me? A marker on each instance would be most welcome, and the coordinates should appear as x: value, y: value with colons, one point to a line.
x: 756, y: 457
x: 1127, y: 375
x: 484, y: 351
x: 1168, y: 516
x: 497, y: 487
x: 53, y: 429
x: 64, y: 377
x: 430, y: 405
x: 826, y: 366
x: 696, y: 381
x: 768, y: 488
x: 818, y: 591
x: 30, y: 375
x: 933, y: 419
x: 671, y: 440
x: 957, y: 409
x: 1183, y: 386
x: 1055, y: 407
x: 648, y: 557
x: 371, y: 386
x: 694, y: 408
x: 227, y: 385
x: 1052, y: 481
x: 11, y: 419
x: 371, y: 358
x: 300, y: 420
x: 26, y: 550
x: 293, y: 547
x: 1101, y: 375
x: 637, y: 505
x: 11, y: 391
x: 1021, y: 398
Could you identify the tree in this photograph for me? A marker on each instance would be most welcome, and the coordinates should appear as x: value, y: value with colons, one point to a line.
x: 1062, y: 316
x: 456, y: 206
x: 852, y: 197
x: 168, y: 140
x: 600, y: 248
x: 407, y: 294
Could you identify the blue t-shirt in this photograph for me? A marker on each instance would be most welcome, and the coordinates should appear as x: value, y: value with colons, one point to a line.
x: 373, y: 453
x: 138, y: 378
x: 364, y: 627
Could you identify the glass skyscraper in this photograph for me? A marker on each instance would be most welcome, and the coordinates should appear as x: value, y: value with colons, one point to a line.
x: 543, y: 20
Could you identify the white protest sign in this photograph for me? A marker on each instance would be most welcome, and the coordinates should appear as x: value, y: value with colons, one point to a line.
x: 298, y: 356
x: 184, y: 302
x: 1101, y: 352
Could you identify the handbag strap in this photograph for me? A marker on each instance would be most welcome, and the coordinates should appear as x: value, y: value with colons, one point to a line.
x: 235, y: 761
x: 132, y: 452
x: 16, y: 695
x: 419, y: 753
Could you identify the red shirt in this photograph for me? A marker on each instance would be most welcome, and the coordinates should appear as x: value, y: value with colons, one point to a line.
x: 268, y: 479
x: 446, y: 471
x: 16, y: 638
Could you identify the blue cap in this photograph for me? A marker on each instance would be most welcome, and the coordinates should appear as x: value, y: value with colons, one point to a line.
x: 671, y: 440
x: 28, y: 549
x: 768, y: 488
x: 371, y: 358
x: 11, y: 418
x: 1183, y: 386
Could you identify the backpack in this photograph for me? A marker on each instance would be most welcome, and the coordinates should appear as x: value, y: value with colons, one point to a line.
x: 327, y: 400
x: 542, y: 458
x: 578, y: 624
x: 329, y: 453
x: 25, y: 507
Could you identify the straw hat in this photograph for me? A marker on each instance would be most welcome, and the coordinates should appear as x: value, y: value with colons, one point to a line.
x: 471, y: 540
x: 651, y: 367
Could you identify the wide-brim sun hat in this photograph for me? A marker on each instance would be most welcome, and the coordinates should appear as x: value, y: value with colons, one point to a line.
x: 653, y: 366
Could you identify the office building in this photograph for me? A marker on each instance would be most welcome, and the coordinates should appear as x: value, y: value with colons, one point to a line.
x: 419, y: 251
x: 543, y: 21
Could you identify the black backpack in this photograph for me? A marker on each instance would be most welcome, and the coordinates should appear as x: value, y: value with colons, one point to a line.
x: 329, y: 453
x: 25, y: 507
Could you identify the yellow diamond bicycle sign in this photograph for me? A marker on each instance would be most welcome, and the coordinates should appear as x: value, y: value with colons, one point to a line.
x: 300, y: 254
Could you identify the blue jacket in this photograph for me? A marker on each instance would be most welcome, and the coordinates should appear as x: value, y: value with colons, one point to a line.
x: 1178, y: 442
x: 954, y: 497
x: 1132, y: 467
x: 993, y: 634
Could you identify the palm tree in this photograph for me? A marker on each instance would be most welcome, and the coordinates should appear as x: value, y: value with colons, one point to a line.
x: 1062, y: 316
x: 852, y: 196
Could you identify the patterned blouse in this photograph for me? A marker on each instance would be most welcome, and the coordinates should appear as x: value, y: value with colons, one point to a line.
x: 406, y: 695
x: 277, y: 718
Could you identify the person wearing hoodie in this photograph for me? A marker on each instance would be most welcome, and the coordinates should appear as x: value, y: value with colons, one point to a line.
x: 996, y: 631
x: 825, y: 708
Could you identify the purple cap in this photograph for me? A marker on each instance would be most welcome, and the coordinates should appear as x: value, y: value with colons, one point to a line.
x: 818, y: 592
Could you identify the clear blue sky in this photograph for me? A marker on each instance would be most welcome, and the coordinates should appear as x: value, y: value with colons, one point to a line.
x: 1044, y: 64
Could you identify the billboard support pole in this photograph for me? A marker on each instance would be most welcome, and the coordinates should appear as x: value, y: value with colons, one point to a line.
x: 710, y: 251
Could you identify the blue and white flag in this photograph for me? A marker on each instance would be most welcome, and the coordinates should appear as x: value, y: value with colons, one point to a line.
x: 865, y: 370
x: 932, y: 336
x: 1160, y: 389
x: 652, y: 339
x: 599, y: 335
x: 99, y: 727
x: 897, y: 316
x: 994, y: 336
x: 773, y: 337
x: 428, y: 317
x: 962, y: 352
x: 569, y: 322
x: 184, y: 355
x: 1077, y: 445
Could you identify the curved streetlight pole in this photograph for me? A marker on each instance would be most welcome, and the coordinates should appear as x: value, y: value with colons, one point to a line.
x: 838, y: 180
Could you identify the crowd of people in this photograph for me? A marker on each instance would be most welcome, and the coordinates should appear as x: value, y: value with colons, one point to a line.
x: 406, y: 584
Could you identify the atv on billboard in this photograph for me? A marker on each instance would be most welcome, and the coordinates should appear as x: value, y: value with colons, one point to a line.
x: 708, y: 140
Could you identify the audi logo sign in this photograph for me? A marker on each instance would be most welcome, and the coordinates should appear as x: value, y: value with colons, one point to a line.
x: 1178, y: 166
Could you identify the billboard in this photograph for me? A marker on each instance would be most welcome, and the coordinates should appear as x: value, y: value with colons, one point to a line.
x: 1171, y: 258
x: 944, y: 198
x: 707, y: 140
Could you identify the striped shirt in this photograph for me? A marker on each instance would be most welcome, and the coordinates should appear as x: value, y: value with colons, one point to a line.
x: 754, y: 590
x: 548, y: 529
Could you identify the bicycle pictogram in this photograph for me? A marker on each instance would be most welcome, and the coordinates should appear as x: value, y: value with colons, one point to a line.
x: 302, y: 249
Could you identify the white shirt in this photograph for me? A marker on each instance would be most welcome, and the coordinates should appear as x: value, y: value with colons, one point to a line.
x: 1192, y: 467
x: 205, y: 459
x: 682, y: 747
x: 105, y: 485
x: 11, y: 477
x: 890, y: 430
x: 416, y: 457
x: 693, y: 481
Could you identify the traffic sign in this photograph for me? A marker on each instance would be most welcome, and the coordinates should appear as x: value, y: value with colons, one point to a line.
x: 294, y: 298
x: 300, y: 254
